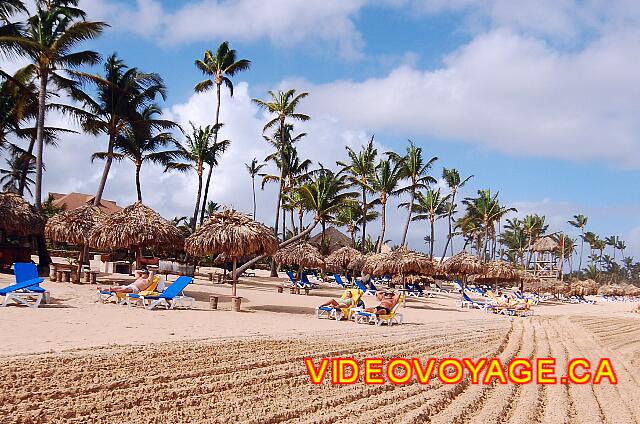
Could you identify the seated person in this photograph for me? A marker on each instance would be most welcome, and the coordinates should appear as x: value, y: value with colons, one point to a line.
x: 340, y: 303
x: 144, y: 278
x: 388, y: 300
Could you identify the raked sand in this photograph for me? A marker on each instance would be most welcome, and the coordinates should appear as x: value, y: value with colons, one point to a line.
x: 76, y: 360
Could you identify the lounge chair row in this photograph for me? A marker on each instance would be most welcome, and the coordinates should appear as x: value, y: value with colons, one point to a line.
x: 358, y: 315
x: 171, y: 298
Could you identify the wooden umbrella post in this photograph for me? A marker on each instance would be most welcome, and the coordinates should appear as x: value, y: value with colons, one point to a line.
x: 80, y: 262
x: 237, y: 300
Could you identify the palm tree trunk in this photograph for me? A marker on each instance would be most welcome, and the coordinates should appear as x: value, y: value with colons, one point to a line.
x: 234, y: 276
x: 383, y: 227
x: 25, y: 167
x: 195, y: 213
x: 215, y: 141
x: 253, y: 187
x: 300, y: 219
x: 581, y: 250
x: 206, y: 192
x: 450, y: 235
x: 105, y: 172
x: 138, y: 189
x: 284, y: 221
x: 42, y: 110
x: 406, y: 225
x: 302, y: 234
x: 293, y: 223
x: 364, y: 217
x: 433, y: 233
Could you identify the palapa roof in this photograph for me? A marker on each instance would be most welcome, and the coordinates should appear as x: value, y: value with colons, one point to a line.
x: 497, y: 271
x: 135, y: 225
x: 74, y: 226
x: 631, y: 290
x: 18, y: 217
x: 335, y: 237
x: 76, y: 200
x: 341, y: 258
x: 233, y: 233
x: 545, y: 244
x: 584, y: 287
x: 399, y: 261
x: 463, y: 263
x: 301, y: 253
x: 611, y: 290
x: 358, y: 263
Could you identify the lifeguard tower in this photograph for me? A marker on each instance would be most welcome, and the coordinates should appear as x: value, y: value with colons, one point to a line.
x: 546, y: 258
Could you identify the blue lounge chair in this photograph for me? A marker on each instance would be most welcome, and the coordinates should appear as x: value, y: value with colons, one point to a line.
x: 367, y: 291
x: 468, y: 302
x: 458, y: 286
x: 26, y: 291
x: 171, y: 298
x: 349, y: 278
x: 305, y: 283
x: 293, y: 282
x: 339, y: 281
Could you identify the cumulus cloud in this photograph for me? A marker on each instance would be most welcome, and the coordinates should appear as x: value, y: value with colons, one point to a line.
x: 507, y: 92
x: 283, y: 22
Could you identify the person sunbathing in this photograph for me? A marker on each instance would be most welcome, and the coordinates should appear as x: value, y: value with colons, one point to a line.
x: 144, y: 278
x: 388, y: 301
x: 340, y: 303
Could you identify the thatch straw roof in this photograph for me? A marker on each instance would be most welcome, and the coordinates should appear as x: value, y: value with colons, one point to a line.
x: 233, y: 233
x: 135, y: 225
x: 74, y: 226
x: 223, y: 258
x: 341, y: 258
x: 497, y: 271
x: 463, y: 263
x: 545, y: 244
x: 418, y: 279
x: 358, y: 262
x: 584, y: 288
x: 334, y: 237
x: 558, y: 287
x: 18, y: 217
x: 611, y: 290
x: 630, y: 289
x: 302, y: 254
x: 399, y: 261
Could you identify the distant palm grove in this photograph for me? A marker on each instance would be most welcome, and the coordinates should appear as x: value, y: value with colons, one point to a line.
x: 123, y: 103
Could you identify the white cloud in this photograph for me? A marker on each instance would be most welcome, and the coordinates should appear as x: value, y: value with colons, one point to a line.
x: 283, y: 22
x: 507, y: 92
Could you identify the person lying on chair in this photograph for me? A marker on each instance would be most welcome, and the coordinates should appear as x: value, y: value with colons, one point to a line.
x: 144, y: 278
x: 340, y: 303
x: 388, y: 300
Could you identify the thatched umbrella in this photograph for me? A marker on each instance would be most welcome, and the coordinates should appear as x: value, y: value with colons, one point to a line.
x: 399, y: 262
x: 545, y: 244
x: 136, y: 226
x: 611, y: 290
x: 18, y: 217
x: 497, y: 272
x: 74, y: 227
x: 584, y: 287
x: 358, y: 263
x: 233, y: 233
x: 300, y: 253
x: 341, y: 258
x: 558, y: 287
x: 462, y: 264
x: 630, y: 289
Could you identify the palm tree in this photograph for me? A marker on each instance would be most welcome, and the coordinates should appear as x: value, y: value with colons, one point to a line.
x: 211, y: 208
x: 385, y: 182
x: 415, y: 170
x: 8, y: 8
x: 621, y: 246
x: 613, y: 242
x: 12, y: 174
x: 196, y: 150
x: 48, y: 40
x: 455, y: 183
x: 482, y: 214
x: 122, y: 97
x: 221, y: 67
x: 141, y: 144
x: 514, y: 237
x: 580, y: 222
x: 431, y: 206
x: 359, y: 170
x: 283, y: 105
x: 349, y: 216
x: 534, y: 226
x: 253, y: 169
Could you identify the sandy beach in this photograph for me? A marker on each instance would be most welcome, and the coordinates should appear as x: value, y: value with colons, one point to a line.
x: 77, y: 360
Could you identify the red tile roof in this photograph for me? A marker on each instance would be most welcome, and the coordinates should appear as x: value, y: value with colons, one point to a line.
x: 75, y: 200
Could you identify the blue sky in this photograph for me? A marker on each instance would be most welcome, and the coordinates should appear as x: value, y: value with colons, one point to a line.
x: 537, y: 99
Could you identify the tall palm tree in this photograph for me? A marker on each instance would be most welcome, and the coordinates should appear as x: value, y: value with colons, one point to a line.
x: 385, y: 182
x: 141, y: 143
x: 9, y: 8
x: 431, y: 206
x: 11, y: 176
x: 221, y: 66
x: 359, y: 171
x: 580, y: 222
x: 254, y: 169
x: 49, y: 38
x: 121, y: 94
x: 196, y: 151
x: 613, y: 242
x: 283, y: 105
x: 455, y: 183
x: 349, y: 216
x: 415, y: 169
x: 534, y: 226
